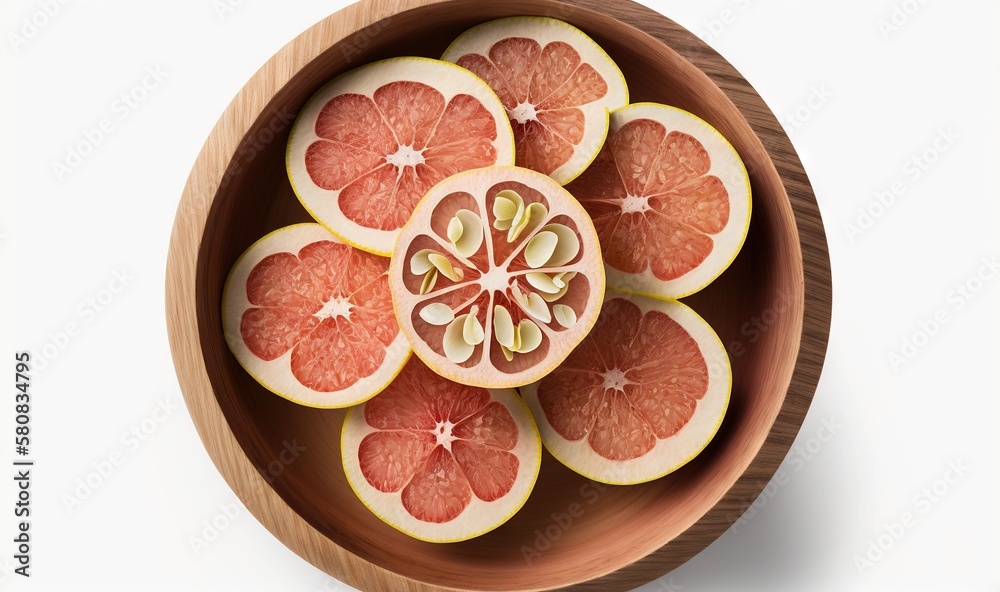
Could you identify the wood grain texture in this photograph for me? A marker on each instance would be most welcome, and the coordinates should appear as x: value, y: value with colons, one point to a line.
x: 625, y: 536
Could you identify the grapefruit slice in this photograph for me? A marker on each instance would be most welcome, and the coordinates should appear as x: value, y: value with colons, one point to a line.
x: 640, y: 397
x: 369, y: 144
x: 440, y: 461
x: 310, y: 318
x: 556, y: 83
x: 496, y: 277
x: 670, y: 198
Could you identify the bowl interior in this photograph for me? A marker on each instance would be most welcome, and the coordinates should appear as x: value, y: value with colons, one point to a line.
x: 571, y: 530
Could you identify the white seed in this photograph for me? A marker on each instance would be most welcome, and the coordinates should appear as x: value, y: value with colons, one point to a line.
x: 564, y: 315
x: 543, y: 283
x: 508, y: 207
x: 465, y: 231
x: 443, y: 265
x: 437, y: 314
x: 503, y: 327
x: 455, y: 229
x: 472, y: 330
x: 505, y: 207
x: 420, y: 262
x: 523, y: 338
x: 456, y: 348
x: 530, y: 336
x: 540, y: 249
x: 567, y: 246
x: 430, y: 278
x: 563, y: 278
x: 533, y: 214
x: 532, y: 304
x: 514, y: 216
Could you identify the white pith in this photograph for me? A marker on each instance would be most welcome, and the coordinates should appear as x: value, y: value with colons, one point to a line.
x: 406, y: 156
x: 615, y: 379
x: 334, y: 308
x: 523, y: 113
x: 635, y: 204
x: 442, y: 434
x: 494, y: 280
x: 668, y: 454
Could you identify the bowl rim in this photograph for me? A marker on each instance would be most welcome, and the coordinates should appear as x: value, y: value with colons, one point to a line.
x: 213, y: 428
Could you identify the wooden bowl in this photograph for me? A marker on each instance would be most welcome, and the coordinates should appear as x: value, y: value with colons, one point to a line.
x: 772, y: 310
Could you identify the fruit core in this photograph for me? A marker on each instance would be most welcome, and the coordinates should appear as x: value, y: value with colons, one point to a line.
x: 523, y: 113
x: 336, y: 307
x: 525, y: 273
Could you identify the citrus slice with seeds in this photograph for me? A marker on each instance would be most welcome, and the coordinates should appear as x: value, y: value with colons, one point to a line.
x: 368, y: 145
x: 311, y: 319
x: 556, y: 83
x: 641, y: 396
x: 441, y: 461
x: 496, y: 277
x: 670, y: 198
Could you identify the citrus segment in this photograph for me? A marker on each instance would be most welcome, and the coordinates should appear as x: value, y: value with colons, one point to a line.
x: 556, y: 84
x: 641, y: 396
x: 670, y: 199
x: 368, y: 145
x: 311, y: 319
x: 438, y: 460
x: 496, y: 277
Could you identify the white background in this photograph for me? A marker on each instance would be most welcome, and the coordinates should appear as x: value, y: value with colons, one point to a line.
x: 881, y: 97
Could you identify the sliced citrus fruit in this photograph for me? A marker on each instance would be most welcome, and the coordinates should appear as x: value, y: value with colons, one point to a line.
x: 556, y: 83
x: 311, y: 318
x: 369, y: 144
x: 641, y: 396
x: 440, y: 461
x: 496, y: 277
x: 670, y: 198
